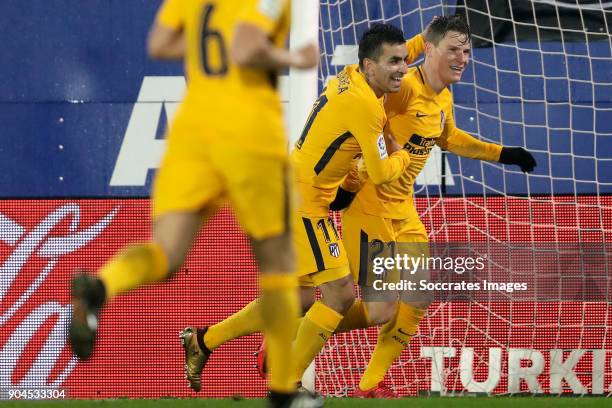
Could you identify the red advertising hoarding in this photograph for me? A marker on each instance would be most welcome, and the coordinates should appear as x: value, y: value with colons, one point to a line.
x: 139, y: 354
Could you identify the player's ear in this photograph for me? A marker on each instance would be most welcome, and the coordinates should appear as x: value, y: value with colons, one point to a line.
x: 428, y: 48
x: 368, y: 64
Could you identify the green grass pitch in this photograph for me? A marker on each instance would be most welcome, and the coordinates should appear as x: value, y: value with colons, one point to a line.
x: 432, y: 402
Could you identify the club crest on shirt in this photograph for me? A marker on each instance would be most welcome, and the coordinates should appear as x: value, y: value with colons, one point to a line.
x: 334, y: 250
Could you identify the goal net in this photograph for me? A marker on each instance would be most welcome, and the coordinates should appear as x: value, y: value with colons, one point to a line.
x: 540, y: 77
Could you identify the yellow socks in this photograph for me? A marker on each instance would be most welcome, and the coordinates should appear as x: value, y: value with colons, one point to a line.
x: 248, y: 320
x: 244, y: 322
x: 394, y: 336
x: 279, y: 306
x: 317, y: 326
x: 355, y: 318
x: 133, y: 267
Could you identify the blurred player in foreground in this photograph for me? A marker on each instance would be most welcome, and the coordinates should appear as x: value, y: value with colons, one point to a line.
x: 383, y: 220
x: 232, y: 52
x: 346, y: 123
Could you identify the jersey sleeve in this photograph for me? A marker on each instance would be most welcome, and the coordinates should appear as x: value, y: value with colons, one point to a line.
x: 366, y: 125
x: 397, y: 102
x: 463, y: 144
x: 266, y: 14
x: 171, y: 14
x: 415, y: 47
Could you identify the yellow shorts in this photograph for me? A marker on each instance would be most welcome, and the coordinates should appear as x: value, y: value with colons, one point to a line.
x: 321, y: 256
x: 195, y: 176
x: 368, y: 237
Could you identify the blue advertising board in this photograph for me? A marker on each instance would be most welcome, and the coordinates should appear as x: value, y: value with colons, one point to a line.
x: 84, y: 109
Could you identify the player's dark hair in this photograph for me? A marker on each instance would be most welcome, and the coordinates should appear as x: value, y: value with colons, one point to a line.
x: 371, y: 43
x: 440, y: 26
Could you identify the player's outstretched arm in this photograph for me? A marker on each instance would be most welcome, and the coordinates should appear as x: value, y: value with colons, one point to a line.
x: 518, y: 156
x: 251, y: 48
x: 463, y: 144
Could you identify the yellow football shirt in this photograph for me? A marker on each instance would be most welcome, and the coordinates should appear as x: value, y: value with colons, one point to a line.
x: 346, y: 123
x: 419, y: 119
x: 225, y: 103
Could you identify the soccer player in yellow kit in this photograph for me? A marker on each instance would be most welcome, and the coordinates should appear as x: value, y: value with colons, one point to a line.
x: 346, y: 123
x: 383, y: 216
x: 232, y: 51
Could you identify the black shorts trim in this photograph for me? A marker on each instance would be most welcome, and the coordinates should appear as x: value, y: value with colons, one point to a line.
x: 314, y: 244
x: 363, y: 258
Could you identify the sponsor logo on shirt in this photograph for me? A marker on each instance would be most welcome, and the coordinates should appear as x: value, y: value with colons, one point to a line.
x: 419, y: 145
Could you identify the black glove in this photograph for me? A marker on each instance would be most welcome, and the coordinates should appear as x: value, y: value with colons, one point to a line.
x: 343, y: 199
x: 518, y: 156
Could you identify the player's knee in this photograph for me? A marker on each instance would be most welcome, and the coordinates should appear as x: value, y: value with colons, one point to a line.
x: 175, y: 258
x: 274, y: 254
x: 174, y: 265
x: 339, y: 294
x: 174, y: 233
x: 419, y: 305
x: 380, y: 312
x: 345, y: 300
x: 308, y: 296
x: 420, y: 301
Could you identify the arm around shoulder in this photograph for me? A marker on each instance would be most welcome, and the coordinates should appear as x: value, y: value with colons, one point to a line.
x: 384, y: 168
x: 366, y: 125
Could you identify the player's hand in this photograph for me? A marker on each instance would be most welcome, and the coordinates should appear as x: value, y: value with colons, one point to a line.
x: 306, y: 57
x: 518, y: 156
x: 392, y: 145
x: 352, y: 182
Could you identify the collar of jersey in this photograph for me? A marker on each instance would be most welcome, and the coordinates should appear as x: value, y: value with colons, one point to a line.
x: 362, y: 83
x: 427, y: 88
